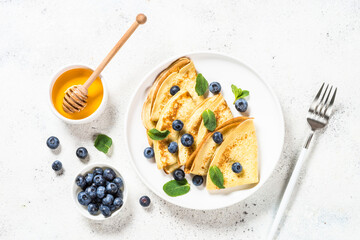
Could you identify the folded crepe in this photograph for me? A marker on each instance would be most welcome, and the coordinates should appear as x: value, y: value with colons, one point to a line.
x: 218, y: 105
x: 179, y: 107
x: 239, y: 146
x: 199, y: 161
x: 185, y: 79
x: 149, y: 102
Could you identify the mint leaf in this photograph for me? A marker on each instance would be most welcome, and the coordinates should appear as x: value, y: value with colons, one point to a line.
x: 245, y: 93
x: 209, y: 119
x: 103, y: 143
x: 175, y: 188
x: 201, y: 85
x: 216, y: 176
x: 155, y: 134
x: 238, y: 92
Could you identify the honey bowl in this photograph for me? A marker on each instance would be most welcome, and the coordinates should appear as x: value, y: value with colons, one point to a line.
x: 74, y: 75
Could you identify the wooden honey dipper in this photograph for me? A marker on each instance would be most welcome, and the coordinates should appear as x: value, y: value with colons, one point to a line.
x: 75, y: 98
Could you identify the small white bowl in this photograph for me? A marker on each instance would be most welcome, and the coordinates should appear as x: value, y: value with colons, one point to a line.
x: 88, y: 119
x: 76, y: 189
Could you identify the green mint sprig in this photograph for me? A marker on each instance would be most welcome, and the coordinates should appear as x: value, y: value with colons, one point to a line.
x: 209, y: 119
x: 201, y: 85
x: 103, y: 143
x: 216, y: 176
x: 155, y: 134
x: 239, y: 93
x: 175, y: 188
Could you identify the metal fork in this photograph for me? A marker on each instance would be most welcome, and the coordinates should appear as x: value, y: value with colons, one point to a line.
x: 318, y: 117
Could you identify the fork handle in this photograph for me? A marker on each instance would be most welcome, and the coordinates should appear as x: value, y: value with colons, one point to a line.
x: 289, y: 188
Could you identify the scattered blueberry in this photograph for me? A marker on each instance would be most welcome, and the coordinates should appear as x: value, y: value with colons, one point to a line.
x: 91, y: 192
x: 187, y: 140
x: 215, y: 87
x: 173, y: 147
x: 57, y: 165
x: 179, y: 174
x: 83, y: 198
x: 144, y: 201
x: 174, y: 90
x: 81, y: 152
x: 108, y: 200
x: 217, y: 137
x: 52, y: 142
x: 241, y: 105
x: 93, y: 208
x: 177, y: 125
x: 99, y: 180
x: 118, y: 202
x: 98, y: 171
x: 236, y: 167
x: 111, y: 188
x: 100, y: 192
x: 105, y: 210
x: 119, y: 182
x: 149, y: 152
x: 89, y: 178
x: 197, y: 180
x: 109, y: 174
x: 80, y: 181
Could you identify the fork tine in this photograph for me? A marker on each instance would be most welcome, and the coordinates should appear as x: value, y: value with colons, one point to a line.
x: 327, y: 98
x: 319, y: 92
x: 333, y: 98
x: 323, y: 95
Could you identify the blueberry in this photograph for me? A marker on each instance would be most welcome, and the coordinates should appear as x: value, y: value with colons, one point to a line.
x: 179, y: 174
x: 105, y: 210
x: 177, y: 125
x: 93, y: 208
x: 91, y: 192
x: 149, y: 152
x: 80, y: 181
x: 241, y: 105
x: 52, y: 142
x: 57, y: 165
x: 187, y: 140
x: 109, y: 174
x: 99, y: 180
x: 108, y: 200
x: 111, y: 188
x: 89, y: 178
x: 217, y: 137
x: 83, y: 198
x: 112, y: 208
x: 119, y: 194
x: 215, y: 87
x: 118, y: 202
x: 100, y: 192
x: 174, y: 90
x: 119, y: 182
x: 236, y: 167
x: 144, y: 201
x: 197, y: 180
x: 173, y: 147
x: 81, y: 152
x: 98, y: 171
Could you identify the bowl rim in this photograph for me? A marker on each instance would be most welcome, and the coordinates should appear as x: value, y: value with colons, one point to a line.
x: 75, y: 189
x: 95, y: 114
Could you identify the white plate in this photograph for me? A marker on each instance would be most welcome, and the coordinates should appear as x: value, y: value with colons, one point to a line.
x: 263, y: 106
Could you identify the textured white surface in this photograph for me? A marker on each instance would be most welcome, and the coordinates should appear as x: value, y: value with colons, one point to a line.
x: 294, y: 45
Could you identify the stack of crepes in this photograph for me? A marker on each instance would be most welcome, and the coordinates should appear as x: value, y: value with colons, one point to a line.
x: 161, y: 109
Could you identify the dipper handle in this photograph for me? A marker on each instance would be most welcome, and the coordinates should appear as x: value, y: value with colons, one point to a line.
x: 140, y: 19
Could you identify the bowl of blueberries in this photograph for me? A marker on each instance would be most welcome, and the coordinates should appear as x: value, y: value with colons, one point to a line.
x: 99, y: 191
